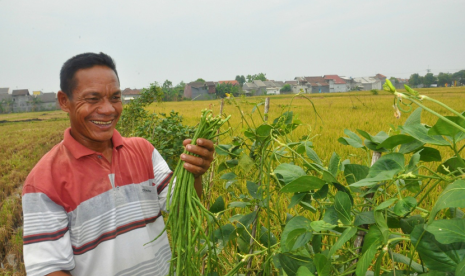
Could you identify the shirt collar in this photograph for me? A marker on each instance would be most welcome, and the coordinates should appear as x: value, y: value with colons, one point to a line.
x: 78, y: 150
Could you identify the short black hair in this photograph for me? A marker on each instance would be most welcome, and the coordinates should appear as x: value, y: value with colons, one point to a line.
x: 82, y: 61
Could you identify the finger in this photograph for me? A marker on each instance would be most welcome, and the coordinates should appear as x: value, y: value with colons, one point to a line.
x: 205, y: 143
x: 186, y: 142
x: 200, y: 151
x: 195, y: 170
x: 194, y: 160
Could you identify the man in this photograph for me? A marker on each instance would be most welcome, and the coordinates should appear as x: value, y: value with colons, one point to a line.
x: 94, y: 200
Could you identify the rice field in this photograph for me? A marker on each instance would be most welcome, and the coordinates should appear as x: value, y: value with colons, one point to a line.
x: 25, y: 137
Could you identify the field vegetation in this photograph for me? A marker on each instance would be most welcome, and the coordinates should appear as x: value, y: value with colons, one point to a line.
x: 25, y: 137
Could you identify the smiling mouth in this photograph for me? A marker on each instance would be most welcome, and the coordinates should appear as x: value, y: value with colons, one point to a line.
x: 102, y: 123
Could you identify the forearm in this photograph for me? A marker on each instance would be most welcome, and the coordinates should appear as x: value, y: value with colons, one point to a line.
x: 59, y: 273
x: 198, y: 186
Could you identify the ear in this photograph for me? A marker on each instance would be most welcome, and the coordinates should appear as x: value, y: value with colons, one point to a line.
x: 63, y: 101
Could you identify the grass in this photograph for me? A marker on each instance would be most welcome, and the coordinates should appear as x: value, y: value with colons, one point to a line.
x: 23, y: 142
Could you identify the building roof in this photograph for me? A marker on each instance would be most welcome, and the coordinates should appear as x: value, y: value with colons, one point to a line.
x: 381, y: 77
x: 20, y: 92
x: 4, y: 90
x: 259, y: 83
x: 197, y: 84
x: 269, y: 84
x: 293, y: 82
x: 49, y: 97
x: 233, y: 82
x: 129, y: 91
x: 316, y: 81
x: 366, y: 80
x: 279, y: 83
x: 210, y: 83
x: 335, y: 78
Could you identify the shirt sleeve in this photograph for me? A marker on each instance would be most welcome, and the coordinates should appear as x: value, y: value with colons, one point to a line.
x: 162, y: 177
x: 47, y: 245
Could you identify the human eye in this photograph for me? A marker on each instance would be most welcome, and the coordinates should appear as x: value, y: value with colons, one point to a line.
x: 92, y: 99
x: 116, y: 98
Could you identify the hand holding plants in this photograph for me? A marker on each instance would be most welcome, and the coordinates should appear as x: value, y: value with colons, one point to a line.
x: 202, y: 157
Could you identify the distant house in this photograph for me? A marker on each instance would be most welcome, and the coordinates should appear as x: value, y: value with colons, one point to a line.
x: 336, y: 83
x: 272, y: 88
x: 4, y: 91
x: 129, y: 94
x: 368, y: 83
x: 233, y: 82
x: 350, y: 83
x: 261, y: 88
x: 198, y: 90
x: 318, y: 84
x: 249, y: 88
x: 21, y: 100
x: 400, y: 83
x: 382, y: 78
x: 297, y: 86
x: 211, y: 87
x: 48, y: 101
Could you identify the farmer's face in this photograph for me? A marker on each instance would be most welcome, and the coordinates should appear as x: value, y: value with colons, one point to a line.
x: 95, y: 106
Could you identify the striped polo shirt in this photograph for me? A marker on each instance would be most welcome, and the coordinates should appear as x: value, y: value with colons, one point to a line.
x: 88, y: 216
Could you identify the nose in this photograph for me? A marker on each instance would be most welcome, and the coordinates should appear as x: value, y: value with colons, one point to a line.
x: 106, y: 107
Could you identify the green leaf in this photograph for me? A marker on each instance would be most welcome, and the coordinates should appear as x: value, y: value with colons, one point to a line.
x: 377, y: 139
x: 392, y: 161
x: 288, y: 172
x: 353, y: 136
x: 451, y: 165
x: 224, y: 232
x: 303, y: 271
x: 428, y: 154
x: 374, y: 236
x: 343, y: 207
x: 330, y: 215
x: 334, y: 164
x: 414, y: 118
x: 246, y: 220
x: 321, y: 225
x: 322, y: 264
x: 405, y: 206
x: 443, y: 128
x: 412, y: 165
x: 222, y: 149
x: 367, y: 258
x: 253, y: 189
x: 420, y: 132
x: 447, y: 231
x: 263, y: 132
x: 411, y: 147
x: 238, y: 204
x: 291, y: 263
x: 297, y: 238
x: 386, y: 204
x: 396, y: 140
x: 452, y: 196
x: 218, y: 206
x: 303, y: 184
x: 345, y: 236
x: 382, y: 176
x: 406, y: 260
x: 382, y: 225
x: 312, y: 155
x: 296, y: 199
x: 407, y: 224
x: 228, y: 176
x: 355, y: 172
x: 437, y: 256
x: 366, y: 217
x: 245, y: 163
x: 296, y: 223
x: 460, y: 270
x: 379, y: 261
x: 321, y: 193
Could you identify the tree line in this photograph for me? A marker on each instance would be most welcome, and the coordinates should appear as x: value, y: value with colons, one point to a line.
x: 441, y: 79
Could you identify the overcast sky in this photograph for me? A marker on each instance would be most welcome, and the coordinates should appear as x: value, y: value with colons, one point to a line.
x: 181, y: 40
